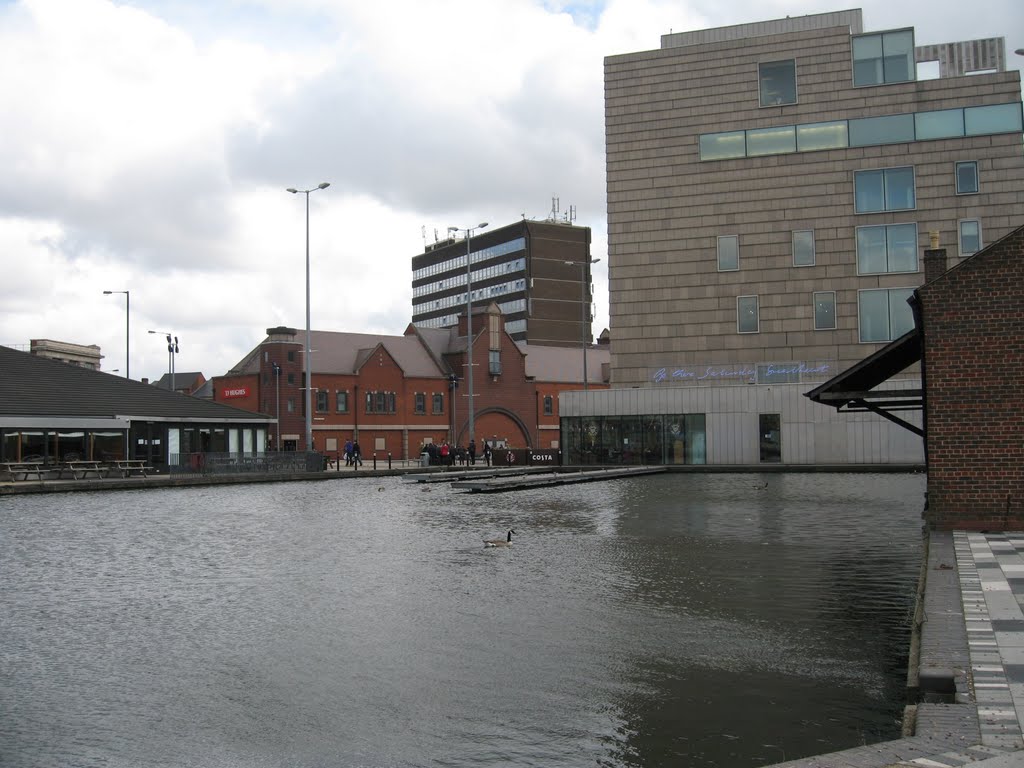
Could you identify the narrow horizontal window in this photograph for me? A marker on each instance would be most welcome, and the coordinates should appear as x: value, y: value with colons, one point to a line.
x: 998, y: 118
x: 722, y: 146
x: 817, y: 136
x: 771, y: 141
x: 891, y: 129
x: 941, y: 124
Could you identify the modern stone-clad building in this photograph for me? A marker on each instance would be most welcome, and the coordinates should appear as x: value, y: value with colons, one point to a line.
x: 771, y: 188
x: 537, y: 272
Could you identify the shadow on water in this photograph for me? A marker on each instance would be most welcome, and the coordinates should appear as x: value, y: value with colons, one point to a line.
x: 718, y: 620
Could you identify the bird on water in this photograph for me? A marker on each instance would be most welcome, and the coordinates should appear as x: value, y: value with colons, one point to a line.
x: 506, y: 542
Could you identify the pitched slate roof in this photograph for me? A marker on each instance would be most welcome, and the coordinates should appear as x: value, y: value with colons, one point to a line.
x: 32, y: 386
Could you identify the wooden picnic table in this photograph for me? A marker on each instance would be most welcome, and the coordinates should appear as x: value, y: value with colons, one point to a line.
x: 24, y: 469
x: 129, y: 467
x: 82, y: 469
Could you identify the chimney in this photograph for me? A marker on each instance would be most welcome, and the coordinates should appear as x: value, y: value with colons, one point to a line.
x: 934, y: 258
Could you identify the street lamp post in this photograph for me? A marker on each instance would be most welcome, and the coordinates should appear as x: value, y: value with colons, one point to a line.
x: 309, y: 375
x: 469, y: 324
x: 127, y: 327
x: 172, y: 350
x: 585, y: 310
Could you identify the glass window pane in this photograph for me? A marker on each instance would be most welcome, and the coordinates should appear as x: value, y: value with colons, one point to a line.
x: 721, y: 146
x: 890, y: 129
x: 771, y: 141
x: 873, y: 308
x: 746, y: 309
x: 871, y: 248
x: 966, y: 178
x: 902, y: 246
x: 943, y: 124
x: 901, y: 317
x: 899, y: 189
x: 770, y: 432
x: 815, y: 136
x: 867, y: 60
x: 824, y: 310
x: 777, y: 82
x: 803, y: 248
x: 869, y: 191
x: 970, y: 237
x: 728, y: 253
x: 999, y: 118
x: 898, y: 56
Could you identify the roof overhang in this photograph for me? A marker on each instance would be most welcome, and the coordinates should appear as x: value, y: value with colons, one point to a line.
x: 854, y: 389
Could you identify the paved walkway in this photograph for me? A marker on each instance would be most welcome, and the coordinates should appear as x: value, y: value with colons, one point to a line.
x: 971, y: 666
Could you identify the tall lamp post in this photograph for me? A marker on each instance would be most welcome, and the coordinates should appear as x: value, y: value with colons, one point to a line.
x: 172, y: 350
x: 127, y: 326
x: 469, y: 324
x: 309, y: 375
x: 585, y: 310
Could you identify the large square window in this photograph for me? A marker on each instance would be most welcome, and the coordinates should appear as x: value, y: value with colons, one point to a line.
x: 886, y: 189
x: 824, y: 310
x: 885, y: 314
x: 887, y: 248
x: 967, y: 178
x: 970, y: 236
x: 803, y: 248
x: 728, y: 253
x: 777, y: 80
x: 747, y: 320
x: 886, y: 57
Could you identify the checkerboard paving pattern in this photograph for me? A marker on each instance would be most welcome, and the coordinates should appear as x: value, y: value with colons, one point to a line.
x: 991, y: 567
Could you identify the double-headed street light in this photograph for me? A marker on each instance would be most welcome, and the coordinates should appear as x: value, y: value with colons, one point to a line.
x: 127, y: 334
x: 309, y: 375
x: 585, y: 317
x: 172, y: 350
x: 469, y: 322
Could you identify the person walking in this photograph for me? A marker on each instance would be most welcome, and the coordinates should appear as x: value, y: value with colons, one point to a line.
x: 348, y: 452
x: 472, y: 451
x: 487, y: 453
x: 356, y: 459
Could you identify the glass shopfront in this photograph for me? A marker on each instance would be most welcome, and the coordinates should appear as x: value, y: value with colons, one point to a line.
x: 624, y: 440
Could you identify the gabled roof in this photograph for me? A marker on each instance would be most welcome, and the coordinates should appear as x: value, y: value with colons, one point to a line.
x: 181, y: 379
x: 32, y: 386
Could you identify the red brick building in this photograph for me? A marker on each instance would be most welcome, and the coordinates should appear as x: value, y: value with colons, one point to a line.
x: 969, y: 341
x: 395, y: 394
x: 971, y: 319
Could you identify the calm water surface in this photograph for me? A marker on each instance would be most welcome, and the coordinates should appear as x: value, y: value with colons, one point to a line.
x: 684, y: 620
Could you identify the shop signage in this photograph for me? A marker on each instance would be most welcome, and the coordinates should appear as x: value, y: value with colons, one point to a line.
x: 236, y: 392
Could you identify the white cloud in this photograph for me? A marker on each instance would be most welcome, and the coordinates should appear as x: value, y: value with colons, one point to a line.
x: 147, y: 146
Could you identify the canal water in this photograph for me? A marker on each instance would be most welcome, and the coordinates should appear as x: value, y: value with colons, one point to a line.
x: 679, y: 620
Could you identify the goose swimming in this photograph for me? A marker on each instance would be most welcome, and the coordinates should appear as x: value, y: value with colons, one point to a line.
x: 506, y: 542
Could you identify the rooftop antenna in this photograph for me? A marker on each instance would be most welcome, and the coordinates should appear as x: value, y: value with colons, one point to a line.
x: 554, y: 208
x: 423, y: 234
x: 571, y: 216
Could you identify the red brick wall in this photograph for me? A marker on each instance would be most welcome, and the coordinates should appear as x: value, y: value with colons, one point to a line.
x: 973, y: 322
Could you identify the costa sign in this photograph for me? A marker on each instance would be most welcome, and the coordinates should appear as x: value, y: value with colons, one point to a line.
x: 236, y: 392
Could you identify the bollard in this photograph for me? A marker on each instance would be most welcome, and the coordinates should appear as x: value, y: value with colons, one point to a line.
x: 389, y: 459
x: 374, y: 461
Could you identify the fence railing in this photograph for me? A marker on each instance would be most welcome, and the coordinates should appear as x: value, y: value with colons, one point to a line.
x: 198, y: 464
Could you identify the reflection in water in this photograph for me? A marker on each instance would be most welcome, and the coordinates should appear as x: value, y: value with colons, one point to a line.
x: 671, y: 620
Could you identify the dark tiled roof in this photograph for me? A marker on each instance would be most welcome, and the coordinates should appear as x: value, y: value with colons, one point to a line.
x: 35, y: 386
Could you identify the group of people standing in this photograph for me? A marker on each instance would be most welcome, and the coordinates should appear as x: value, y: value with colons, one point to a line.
x: 448, y: 455
x: 353, y: 455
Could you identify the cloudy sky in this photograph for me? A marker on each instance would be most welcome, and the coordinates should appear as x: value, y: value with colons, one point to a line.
x: 146, y: 146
